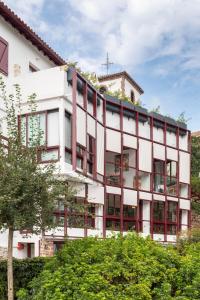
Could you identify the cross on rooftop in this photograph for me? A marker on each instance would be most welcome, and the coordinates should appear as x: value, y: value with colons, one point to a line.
x: 108, y: 63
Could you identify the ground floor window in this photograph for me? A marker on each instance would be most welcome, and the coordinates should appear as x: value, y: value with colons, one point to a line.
x: 119, y: 217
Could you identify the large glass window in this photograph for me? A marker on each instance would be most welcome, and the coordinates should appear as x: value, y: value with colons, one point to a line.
x: 129, y: 218
x: 90, y: 154
x: 80, y: 157
x: 144, y: 181
x: 113, y: 204
x: 42, y: 129
x: 159, y: 176
x: 172, y: 211
x: 128, y: 160
x: 115, y: 219
x: 158, y: 217
x: 113, y: 168
x: 68, y: 138
x: 171, y: 182
x: 183, y: 190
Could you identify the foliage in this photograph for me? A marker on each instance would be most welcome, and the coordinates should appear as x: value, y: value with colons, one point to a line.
x: 118, y: 268
x: 24, y: 271
x: 156, y: 109
x: 195, y: 171
x: 93, y: 79
x: 195, y: 159
x: 182, y: 118
x: 27, y: 190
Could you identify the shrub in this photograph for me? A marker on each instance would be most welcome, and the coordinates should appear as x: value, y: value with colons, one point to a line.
x: 24, y: 271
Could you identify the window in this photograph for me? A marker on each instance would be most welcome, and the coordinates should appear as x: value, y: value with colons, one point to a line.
x: 158, y: 217
x: 144, y: 181
x: 171, y: 182
x: 90, y: 154
x: 129, y: 218
x: 91, y: 101
x: 80, y: 157
x: 113, y: 212
x: 132, y: 96
x: 115, y: 220
x: 68, y: 138
x: 159, y: 176
x: 113, y: 168
x: 172, y: 215
x: 82, y: 215
x: 3, y: 56
x: 128, y: 160
x: 42, y: 129
x: 32, y: 68
x: 183, y: 190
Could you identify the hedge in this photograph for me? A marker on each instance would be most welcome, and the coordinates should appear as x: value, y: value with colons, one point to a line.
x: 24, y: 271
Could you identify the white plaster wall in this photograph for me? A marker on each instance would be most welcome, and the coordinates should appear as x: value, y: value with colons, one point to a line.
x: 144, y: 129
x: 145, y: 155
x: 112, y: 119
x: 183, y: 142
x: 158, y: 134
x: 129, y: 87
x: 113, y: 84
x: 129, y: 125
x: 171, y: 139
x: 45, y: 84
x: 21, y: 51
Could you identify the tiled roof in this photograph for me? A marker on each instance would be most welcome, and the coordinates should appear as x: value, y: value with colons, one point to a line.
x: 120, y: 74
x: 25, y: 30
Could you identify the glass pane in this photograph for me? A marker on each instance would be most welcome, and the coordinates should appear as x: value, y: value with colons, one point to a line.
x: 23, y: 130
x: 49, y: 155
x: 158, y: 183
x: 68, y: 128
x: 159, y: 167
x: 184, y: 190
x: 172, y: 212
x: 171, y: 229
x: 129, y: 226
x: 36, y: 129
x: 171, y: 168
x: 129, y: 177
x: 158, y: 210
x: 158, y: 228
x: 171, y: 186
x: 53, y: 128
x: 129, y: 211
x: 144, y: 181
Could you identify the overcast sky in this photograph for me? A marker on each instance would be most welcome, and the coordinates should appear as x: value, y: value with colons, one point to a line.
x: 156, y: 41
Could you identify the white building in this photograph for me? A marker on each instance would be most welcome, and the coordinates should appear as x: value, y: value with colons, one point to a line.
x: 131, y: 168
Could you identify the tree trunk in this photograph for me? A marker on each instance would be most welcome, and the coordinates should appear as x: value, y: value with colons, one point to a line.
x: 10, y: 264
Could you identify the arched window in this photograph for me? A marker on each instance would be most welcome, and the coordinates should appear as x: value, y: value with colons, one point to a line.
x: 132, y: 96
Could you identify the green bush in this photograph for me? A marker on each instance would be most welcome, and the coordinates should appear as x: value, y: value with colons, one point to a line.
x: 119, y: 268
x: 24, y: 271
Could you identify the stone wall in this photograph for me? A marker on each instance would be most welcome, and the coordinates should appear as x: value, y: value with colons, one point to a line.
x: 3, y: 253
x: 195, y: 221
x: 46, y: 247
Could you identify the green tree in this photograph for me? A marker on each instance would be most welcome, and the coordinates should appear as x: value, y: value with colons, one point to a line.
x: 195, y: 173
x: 27, y: 189
x: 129, y: 267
